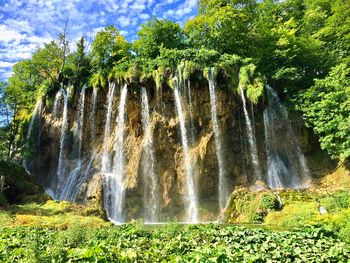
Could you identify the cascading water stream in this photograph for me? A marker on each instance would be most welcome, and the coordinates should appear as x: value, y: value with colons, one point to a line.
x: 81, y: 121
x: 70, y: 189
x: 224, y: 192
x: 151, y: 191
x: 115, y: 189
x: 184, y: 85
x: 55, y: 104
x: 286, y: 164
x: 93, y: 117
x: 35, y: 116
x: 191, y: 177
x: 64, y: 128
x: 251, y: 138
x: 106, y: 157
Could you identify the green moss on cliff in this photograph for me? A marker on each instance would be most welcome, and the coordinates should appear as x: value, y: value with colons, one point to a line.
x: 250, y: 207
x: 17, y: 183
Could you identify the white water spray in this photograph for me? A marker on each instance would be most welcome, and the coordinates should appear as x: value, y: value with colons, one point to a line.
x: 251, y: 138
x: 286, y: 164
x: 64, y: 128
x: 70, y: 185
x: 93, y: 117
x: 35, y: 116
x: 224, y: 193
x: 191, y: 177
x: 151, y: 192
x: 115, y: 181
x: 106, y: 157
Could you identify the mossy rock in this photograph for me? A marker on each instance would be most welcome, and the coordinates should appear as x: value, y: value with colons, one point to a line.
x: 18, y: 184
x: 295, y: 214
x: 250, y: 207
x: 3, y: 201
x: 38, y: 199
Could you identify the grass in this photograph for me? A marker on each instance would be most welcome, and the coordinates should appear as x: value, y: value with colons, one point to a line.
x: 295, y: 214
x: 51, y: 214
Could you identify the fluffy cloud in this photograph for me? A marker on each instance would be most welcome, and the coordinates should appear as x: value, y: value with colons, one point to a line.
x: 26, y: 25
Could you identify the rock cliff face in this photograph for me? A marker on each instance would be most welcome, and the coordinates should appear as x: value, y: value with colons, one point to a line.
x: 168, y: 151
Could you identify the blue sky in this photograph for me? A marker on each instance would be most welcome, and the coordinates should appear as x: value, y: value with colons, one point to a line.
x: 27, y: 24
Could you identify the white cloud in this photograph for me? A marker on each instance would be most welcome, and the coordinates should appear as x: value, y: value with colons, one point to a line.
x: 7, y: 35
x: 144, y: 16
x: 124, y: 33
x: 138, y: 6
x: 5, y: 64
x: 124, y: 21
x: 26, y: 25
x: 181, y: 11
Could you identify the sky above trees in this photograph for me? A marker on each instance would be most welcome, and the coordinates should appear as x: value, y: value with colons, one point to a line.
x: 26, y: 25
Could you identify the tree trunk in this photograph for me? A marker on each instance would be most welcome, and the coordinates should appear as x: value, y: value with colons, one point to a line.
x: 2, y: 183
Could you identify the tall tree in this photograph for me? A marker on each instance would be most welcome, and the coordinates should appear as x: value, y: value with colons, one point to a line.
x: 156, y: 33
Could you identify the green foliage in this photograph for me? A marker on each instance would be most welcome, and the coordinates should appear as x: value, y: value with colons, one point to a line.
x: 98, y: 79
x: 337, y: 201
x: 326, y: 108
x: 201, y: 243
x: 17, y: 183
x: 108, y: 48
x: 156, y: 34
x: 252, y: 82
x: 40, y: 211
x: 294, y: 214
x: 250, y: 207
x: 78, y: 65
x: 3, y: 201
x: 47, y: 61
x: 337, y: 223
x: 223, y: 26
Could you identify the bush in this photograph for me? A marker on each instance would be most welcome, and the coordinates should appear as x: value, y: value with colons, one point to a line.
x: 3, y: 201
x: 17, y: 183
x: 174, y: 243
x: 338, y: 200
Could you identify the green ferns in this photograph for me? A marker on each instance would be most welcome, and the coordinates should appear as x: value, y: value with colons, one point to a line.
x: 252, y: 82
x: 98, y: 79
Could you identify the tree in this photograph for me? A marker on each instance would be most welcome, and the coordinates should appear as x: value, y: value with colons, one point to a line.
x: 326, y: 108
x: 224, y: 26
x: 47, y: 61
x: 156, y: 33
x: 336, y: 32
x: 5, y: 116
x: 108, y: 47
x: 77, y: 67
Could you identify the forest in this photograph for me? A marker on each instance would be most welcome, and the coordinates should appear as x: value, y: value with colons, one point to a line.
x: 278, y: 70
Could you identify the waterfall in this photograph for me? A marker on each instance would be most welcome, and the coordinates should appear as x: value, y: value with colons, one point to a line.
x: 184, y: 85
x: 251, y: 138
x: 35, y: 116
x: 115, y: 181
x: 55, y: 104
x: 64, y: 127
x: 190, y: 99
x: 81, y: 121
x: 70, y: 189
x: 286, y: 164
x: 106, y: 158
x: 93, y: 117
x: 223, y: 193
x: 191, y: 177
x: 151, y: 187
